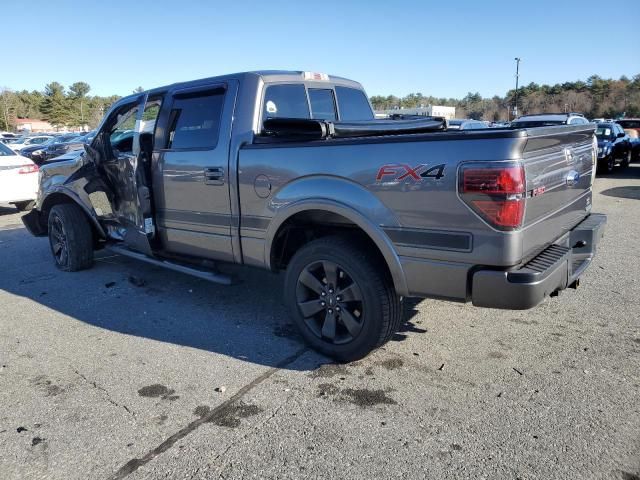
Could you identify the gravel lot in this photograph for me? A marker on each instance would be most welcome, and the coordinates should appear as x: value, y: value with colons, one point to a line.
x: 172, y: 377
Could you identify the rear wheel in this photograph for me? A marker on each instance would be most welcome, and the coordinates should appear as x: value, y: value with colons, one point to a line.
x: 341, y: 299
x: 627, y: 160
x: 607, y: 164
x: 24, y: 206
x: 70, y: 238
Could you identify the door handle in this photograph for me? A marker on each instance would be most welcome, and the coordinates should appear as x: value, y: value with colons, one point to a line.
x: 214, y: 176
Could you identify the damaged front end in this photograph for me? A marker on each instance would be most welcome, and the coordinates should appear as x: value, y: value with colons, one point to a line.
x: 108, y: 181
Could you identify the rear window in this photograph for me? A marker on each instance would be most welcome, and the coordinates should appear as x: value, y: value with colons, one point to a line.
x: 353, y: 104
x: 536, y: 123
x: 194, y: 121
x: 5, y: 151
x: 285, y: 101
x: 323, y: 106
x: 629, y: 123
x: 603, y: 132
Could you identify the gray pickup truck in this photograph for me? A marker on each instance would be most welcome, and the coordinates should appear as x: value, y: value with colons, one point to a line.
x: 290, y: 171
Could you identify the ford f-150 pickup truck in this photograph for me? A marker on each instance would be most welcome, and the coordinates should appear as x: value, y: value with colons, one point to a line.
x: 289, y: 171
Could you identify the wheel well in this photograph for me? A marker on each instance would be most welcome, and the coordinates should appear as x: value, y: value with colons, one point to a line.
x: 60, y: 198
x: 305, y: 226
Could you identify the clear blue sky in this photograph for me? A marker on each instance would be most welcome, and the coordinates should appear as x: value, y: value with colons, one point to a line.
x: 444, y: 48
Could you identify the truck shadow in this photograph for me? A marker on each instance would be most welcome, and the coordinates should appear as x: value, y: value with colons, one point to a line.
x: 247, y: 320
x: 631, y: 192
x: 7, y: 210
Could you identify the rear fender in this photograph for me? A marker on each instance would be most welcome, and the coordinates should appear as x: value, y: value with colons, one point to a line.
x: 345, y: 198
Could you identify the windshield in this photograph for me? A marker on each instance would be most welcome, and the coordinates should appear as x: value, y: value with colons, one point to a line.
x: 49, y: 142
x: 5, y: 151
x: 603, y: 132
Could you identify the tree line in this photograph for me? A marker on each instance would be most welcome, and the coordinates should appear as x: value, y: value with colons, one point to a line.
x: 595, y: 97
x: 62, y: 107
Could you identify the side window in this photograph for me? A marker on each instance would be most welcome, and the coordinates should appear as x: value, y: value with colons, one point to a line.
x: 121, y: 134
x: 285, y: 101
x: 323, y: 106
x: 148, y: 125
x: 194, y: 121
x: 353, y: 104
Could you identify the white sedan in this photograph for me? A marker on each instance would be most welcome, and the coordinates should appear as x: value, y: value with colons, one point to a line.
x: 18, y: 179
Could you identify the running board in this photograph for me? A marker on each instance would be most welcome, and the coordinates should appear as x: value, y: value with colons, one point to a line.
x: 210, y: 276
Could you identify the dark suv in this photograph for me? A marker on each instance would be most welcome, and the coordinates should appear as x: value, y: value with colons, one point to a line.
x: 549, y: 120
x: 631, y: 127
x: 614, y: 146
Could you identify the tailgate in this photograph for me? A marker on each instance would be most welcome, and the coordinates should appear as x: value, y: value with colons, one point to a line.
x: 559, y: 165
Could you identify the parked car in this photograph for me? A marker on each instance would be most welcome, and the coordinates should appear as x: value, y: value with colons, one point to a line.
x: 631, y: 127
x: 359, y: 213
x: 26, y: 141
x: 61, y: 147
x: 36, y: 152
x: 465, y: 124
x: 548, y: 120
x: 71, y: 155
x: 614, y: 147
x: 18, y: 179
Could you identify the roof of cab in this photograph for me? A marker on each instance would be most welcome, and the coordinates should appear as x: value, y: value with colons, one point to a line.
x: 267, y: 76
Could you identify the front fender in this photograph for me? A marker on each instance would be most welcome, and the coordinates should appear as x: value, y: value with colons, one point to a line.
x: 342, y: 197
x: 63, y: 194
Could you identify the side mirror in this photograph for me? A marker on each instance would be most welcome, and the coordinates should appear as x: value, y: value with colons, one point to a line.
x: 620, y: 135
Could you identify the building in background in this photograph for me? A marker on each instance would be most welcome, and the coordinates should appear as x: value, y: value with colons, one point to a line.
x: 428, y: 111
x: 32, y: 125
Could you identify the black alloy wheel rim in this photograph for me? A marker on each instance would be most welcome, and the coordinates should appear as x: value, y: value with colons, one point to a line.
x: 58, y: 241
x: 330, y: 302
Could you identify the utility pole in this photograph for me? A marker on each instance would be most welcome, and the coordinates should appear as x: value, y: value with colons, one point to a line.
x: 515, y: 108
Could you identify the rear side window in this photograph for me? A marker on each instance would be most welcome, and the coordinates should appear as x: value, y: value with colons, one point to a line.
x: 353, y: 104
x: 194, y: 121
x: 285, y: 101
x: 323, y: 106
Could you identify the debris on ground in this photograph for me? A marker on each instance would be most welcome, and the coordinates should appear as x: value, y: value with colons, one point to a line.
x: 137, y: 281
x: 441, y: 367
x: 36, y: 441
x: 221, y: 389
x: 21, y: 429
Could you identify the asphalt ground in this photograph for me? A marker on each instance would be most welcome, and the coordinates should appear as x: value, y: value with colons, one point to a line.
x: 131, y: 371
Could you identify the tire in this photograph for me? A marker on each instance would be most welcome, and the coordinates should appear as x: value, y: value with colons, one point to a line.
x: 318, y: 279
x: 607, y: 164
x: 25, y: 206
x: 627, y: 160
x: 70, y: 238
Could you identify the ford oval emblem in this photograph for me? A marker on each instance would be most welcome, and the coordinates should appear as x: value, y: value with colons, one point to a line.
x: 572, y: 178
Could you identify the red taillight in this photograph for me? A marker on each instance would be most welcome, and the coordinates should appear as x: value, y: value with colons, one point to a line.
x: 497, y: 194
x: 28, y: 169
x: 502, y: 213
x: 508, y: 181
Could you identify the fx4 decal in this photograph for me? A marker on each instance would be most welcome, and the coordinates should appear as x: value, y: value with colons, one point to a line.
x: 401, y: 171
